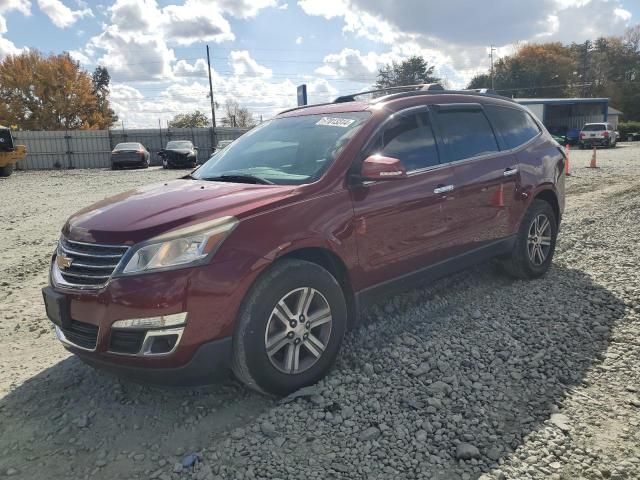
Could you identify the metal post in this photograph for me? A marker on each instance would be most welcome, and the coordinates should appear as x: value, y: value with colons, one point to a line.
x: 493, y: 49
x: 67, y: 139
x: 213, y: 105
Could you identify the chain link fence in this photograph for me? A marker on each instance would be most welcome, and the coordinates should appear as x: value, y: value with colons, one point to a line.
x: 92, y: 148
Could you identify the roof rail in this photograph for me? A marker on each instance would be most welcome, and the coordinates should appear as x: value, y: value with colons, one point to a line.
x: 300, y: 107
x: 422, y: 87
x: 407, y: 91
x: 488, y: 93
x: 483, y: 90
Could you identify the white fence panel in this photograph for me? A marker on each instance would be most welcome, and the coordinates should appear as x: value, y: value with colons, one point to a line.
x: 92, y: 148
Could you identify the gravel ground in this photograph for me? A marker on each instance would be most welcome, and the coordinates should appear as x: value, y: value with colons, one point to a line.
x: 476, y: 376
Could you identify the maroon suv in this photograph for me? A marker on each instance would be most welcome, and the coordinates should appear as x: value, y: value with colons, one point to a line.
x: 261, y: 259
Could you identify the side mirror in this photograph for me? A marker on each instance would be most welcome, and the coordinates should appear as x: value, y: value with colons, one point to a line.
x: 377, y: 167
x: 195, y: 148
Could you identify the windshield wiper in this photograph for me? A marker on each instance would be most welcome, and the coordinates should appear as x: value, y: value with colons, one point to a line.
x: 238, y: 178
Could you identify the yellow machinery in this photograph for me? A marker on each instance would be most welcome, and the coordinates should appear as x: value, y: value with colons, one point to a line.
x: 9, y: 153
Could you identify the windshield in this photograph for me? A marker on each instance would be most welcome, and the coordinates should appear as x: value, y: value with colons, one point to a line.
x: 128, y: 146
x: 595, y: 127
x: 286, y: 151
x: 179, y: 144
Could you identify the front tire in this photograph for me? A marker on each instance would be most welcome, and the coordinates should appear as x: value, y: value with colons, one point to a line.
x: 7, y: 170
x: 290, y: 328
x: 535, y: 242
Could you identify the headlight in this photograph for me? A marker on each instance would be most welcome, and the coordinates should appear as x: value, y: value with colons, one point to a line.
x: 186, y: 246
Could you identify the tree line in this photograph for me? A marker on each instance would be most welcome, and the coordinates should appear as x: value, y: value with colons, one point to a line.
x: 233, y: 115
x: 605, y: 67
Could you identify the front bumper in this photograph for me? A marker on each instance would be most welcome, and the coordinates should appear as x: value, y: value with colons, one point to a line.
x: 210, y: 294
x: 596, y: 141
x: 181, y: 160
x: 210, y: 362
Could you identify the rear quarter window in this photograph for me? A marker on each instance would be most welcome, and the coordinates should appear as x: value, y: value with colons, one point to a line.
x: 514, y: 127
x: 594, y: 127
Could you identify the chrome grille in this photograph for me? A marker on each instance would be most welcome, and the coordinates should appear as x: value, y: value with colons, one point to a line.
x: 91, y: 264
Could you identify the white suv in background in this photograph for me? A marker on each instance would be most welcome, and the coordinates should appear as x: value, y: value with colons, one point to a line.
x: 598, y: 134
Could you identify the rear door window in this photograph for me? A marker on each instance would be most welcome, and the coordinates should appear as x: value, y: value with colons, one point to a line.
x: 514, y: 127
x: 410, y: 139
x: 467, y: 133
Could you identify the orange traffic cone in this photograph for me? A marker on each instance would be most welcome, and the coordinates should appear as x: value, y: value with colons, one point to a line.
x: 593, y: 159
x: 498, y: 198
x: 567, y: 150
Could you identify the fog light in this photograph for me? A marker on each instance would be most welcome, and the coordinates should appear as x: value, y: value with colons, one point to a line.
x: 162, y: 344
x: 161, y: 321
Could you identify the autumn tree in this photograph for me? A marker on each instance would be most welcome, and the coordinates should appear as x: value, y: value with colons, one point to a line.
x: 538, y: 70
x: 236, y: 116
x: 412, y: 71
x: 194, y: 119
x: 52, y: 93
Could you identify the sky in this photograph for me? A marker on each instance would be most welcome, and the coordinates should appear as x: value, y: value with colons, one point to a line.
x: 155, y: 50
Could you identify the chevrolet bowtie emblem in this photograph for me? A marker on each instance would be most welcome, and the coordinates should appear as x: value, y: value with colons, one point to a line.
x: 63, y: 262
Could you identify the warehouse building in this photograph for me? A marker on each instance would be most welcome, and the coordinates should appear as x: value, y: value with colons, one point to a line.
x: 566, y: 116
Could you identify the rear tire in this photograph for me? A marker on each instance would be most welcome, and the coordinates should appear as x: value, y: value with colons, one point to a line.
x: 535, y: 243
x: 7, y: 170
x: 276, y: 348
x: 115, y: 167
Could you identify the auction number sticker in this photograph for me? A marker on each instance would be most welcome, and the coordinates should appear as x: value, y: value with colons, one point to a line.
x: 335, y: 122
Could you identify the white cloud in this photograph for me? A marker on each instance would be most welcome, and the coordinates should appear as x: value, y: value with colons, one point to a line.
x: 353, y: 65
x: 80, y: 57
x: 132, y: 56
x: 244, y: 65
x: 320, y: 91
x: 135, y: 15
x: 184, y: 69
x: 7, y: 47
x: 456, y: 42
x: 325, y: 8
x: 137, y: 42
x: 61, y: 15
x: 194, y: 22
x: 22, y: 6
x: 299, y: 40
x: 242, y: 8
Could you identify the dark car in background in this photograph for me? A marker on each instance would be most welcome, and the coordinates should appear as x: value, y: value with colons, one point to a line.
x: 179, y: 154
x: 130, y: 154
x: 261, y: 259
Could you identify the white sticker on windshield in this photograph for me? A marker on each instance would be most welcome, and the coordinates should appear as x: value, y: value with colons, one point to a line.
x: 335, y: 122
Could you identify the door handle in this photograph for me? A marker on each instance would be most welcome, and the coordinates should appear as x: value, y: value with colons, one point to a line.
x: 510, y: 171
x: 443, y: 189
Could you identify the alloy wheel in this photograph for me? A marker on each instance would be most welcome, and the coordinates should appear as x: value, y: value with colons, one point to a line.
x: 298, y: 330
x: 539, y: 240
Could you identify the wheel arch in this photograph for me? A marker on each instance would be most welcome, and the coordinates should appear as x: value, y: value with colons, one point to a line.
x: 331, y: 262
x: 549, y: 196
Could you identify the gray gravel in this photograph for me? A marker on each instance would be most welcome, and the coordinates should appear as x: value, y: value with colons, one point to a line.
x: 476, y: 376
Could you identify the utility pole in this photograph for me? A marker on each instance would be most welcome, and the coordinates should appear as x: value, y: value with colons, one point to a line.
x: 213, y: 105
x: 492, y: 49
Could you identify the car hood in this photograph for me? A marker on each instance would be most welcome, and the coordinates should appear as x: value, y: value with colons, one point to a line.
x: 145, y: 212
